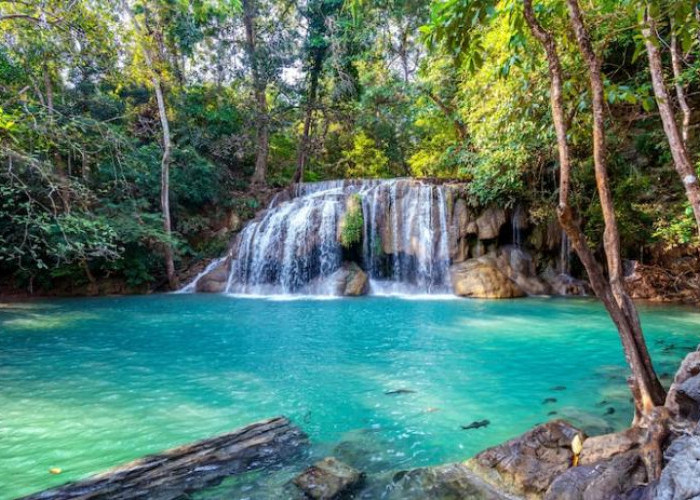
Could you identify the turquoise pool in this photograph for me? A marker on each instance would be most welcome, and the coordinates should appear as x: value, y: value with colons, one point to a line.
x: 86, y: 384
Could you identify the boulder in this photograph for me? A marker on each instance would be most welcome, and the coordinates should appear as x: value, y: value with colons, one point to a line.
x: 607, y: 479
x: 444, y: 482
x: 683, y: 399
x: 350, y: 281
x: 563, y: 284
x: 519, y: 266
x: 489, y: 223
x: 680, y: 479
x: 328, y: 479
x: 481, y: 278
x: 214, y: 281
x: 527, y: 465
x: 606, y: 446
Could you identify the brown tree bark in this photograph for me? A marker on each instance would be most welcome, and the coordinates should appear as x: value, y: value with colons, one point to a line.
x: 303, y: 153
x: 681, y: 158
x: 262, y: 139
x: 647, y: 390
x: 165, y: 159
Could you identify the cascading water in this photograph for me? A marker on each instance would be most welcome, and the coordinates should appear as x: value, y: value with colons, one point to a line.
x: 295, y: 247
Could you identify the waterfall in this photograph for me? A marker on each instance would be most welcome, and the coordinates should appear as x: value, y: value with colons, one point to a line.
x: 294, y: 248
x: 564, y: 254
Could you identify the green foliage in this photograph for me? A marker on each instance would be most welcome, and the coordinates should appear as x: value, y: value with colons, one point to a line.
x: 365, y: 159
x: 352, y: 223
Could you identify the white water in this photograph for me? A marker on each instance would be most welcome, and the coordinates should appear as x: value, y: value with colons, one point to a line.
x: 294, y: 248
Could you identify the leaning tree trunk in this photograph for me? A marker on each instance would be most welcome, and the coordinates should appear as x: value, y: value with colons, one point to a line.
x: 262, y: 140
x: 681, y: 158
x: 646, y: 389
x: 165, y: 159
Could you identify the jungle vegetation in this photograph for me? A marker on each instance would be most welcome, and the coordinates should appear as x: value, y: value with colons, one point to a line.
x: 133, y: 132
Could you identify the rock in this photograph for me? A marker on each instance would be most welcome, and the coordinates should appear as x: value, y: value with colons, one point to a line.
x: 481, y: 278
x: 683, y: 397
x: 234, y: 222
x: 680, y: 479
x: 528, y: 464
x: 214, y: 281
x: 350, y: 281
x: 563, y: 284
x: 489, y: 223
x: 607, y: 479
x: 519, y: 266
x: 328, y: 479
x: 451, y: 481
x: 606, y: 446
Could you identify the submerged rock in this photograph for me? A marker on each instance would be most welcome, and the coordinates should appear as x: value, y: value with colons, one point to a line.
x: 328, y: 479
x: 527, y: 465
x: 481, y: 278
x: 451, y: 481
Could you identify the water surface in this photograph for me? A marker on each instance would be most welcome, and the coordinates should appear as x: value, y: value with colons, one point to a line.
x: 86, y: 384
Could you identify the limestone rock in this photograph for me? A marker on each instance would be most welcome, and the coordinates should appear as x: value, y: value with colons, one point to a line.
x: 449, y: 481
x: 328, y: 479
x: 607, y: 479
x: 350, y: 280
x: 519, y: 266
x: 489, y: 223
x: 214, y: 281
x: 563, y: 284
x: 683, y: 397
x: 527, y: 465
x: 481, y: 278
x: 605, y: 446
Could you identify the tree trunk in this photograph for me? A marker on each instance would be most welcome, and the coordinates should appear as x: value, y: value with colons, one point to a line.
x: 165, y: 160
x: 681, y: 159
x: 262, y: 140
x: 647, y: 390
x: 676, y: 60
x: 302, y: 155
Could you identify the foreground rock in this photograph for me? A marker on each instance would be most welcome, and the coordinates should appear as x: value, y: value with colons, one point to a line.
x: 606, y: 479
x: 527, y: 465
x: 482, y: 278
x: 179, y: 471
x: 328, y: 479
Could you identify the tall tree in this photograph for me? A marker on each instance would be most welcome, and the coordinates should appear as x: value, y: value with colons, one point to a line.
x: 145, y: 40
x: 262, y: 118
x: 676, y: 137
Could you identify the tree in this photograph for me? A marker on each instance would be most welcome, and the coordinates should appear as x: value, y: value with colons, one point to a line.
x: 144, y: 40
x: 677, y: 138
x: 262, y: 119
